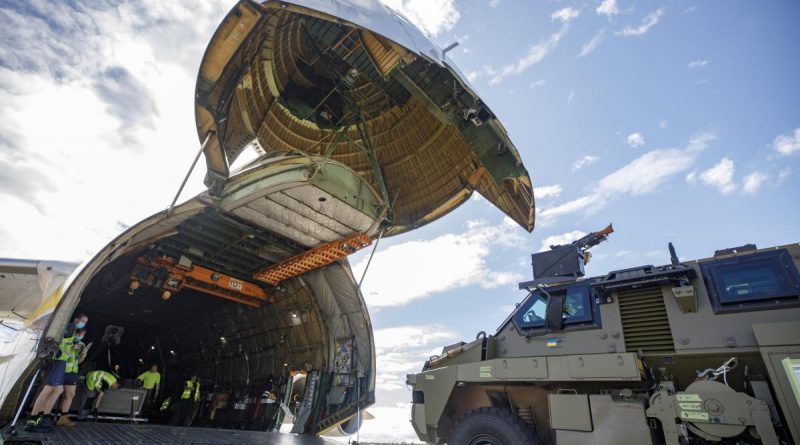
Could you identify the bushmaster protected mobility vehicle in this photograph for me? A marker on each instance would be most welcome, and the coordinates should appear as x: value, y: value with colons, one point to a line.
x: 693, y: 352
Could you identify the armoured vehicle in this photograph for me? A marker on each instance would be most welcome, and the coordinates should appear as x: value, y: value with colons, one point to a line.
x: 691, y: 352
x: 364, y: 128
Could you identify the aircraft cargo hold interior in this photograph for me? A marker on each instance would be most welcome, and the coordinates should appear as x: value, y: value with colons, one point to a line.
x: 238, y: 350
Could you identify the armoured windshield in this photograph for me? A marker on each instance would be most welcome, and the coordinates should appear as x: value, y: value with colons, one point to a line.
x: 577, y: 307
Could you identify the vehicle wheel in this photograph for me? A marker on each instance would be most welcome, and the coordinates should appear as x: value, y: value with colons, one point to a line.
x: 493, y: 426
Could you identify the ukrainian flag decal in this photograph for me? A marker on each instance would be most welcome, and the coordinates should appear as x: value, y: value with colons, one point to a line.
x: 553, y: 342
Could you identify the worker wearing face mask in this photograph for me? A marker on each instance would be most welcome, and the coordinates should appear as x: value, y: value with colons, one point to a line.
x: 41, y: 419
x: 79, y: 350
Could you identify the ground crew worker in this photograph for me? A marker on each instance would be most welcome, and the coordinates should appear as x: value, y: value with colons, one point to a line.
x: 151, y: 381
x: 41, y: 419
x: 189, y: 396
x: 96, y: 384
x: 78, y: 355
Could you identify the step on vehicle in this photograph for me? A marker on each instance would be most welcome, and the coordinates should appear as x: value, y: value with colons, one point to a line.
x: 691, y: 352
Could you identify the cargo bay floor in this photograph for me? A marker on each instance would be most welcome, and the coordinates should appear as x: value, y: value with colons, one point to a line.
x: 115, y: 433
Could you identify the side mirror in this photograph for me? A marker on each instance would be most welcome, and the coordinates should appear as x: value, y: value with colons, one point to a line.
x: 555, y: 308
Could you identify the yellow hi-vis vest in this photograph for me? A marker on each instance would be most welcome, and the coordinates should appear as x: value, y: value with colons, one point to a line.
x: 187, y: 390
x: 95, y: 379
x: 65, y: 349
x: 74, y: 357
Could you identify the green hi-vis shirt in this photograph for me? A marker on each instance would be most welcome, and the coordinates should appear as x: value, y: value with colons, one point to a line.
x: 74, y: 358
x: 70, y: 351
x: 150, y: 379
x: 96, y: 379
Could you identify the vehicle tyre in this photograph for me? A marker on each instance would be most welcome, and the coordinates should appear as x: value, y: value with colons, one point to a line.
x: 493, y: 426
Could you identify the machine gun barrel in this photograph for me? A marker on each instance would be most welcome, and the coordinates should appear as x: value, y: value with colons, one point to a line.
x: 594, y: 238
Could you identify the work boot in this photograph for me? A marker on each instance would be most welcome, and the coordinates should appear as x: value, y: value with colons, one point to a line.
x: 63, y: 420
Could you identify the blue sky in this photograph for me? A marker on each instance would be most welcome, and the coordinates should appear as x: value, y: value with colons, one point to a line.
x: 677, y: 121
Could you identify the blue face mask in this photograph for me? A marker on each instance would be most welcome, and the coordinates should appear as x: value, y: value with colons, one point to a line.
x: 78, y: 337
x: 80, y: 325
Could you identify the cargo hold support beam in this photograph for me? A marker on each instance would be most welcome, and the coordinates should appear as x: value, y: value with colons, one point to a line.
x: 313, y: 259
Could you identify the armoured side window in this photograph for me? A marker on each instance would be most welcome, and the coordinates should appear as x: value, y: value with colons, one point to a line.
x: 578, y: 308
x: 764, y: 280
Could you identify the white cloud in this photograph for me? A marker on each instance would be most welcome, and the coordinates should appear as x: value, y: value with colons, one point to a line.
x: 493, y: 3
x: 783, y: 174
x: 584, y: 161
x: 485, y: 70
x: 565, y: 14
x: 608, y: 7
x: 564, y: 238
x: 699, y: 63
x: 537, y: 84
x: 537, y: 52
x: 691, y: 178
x: 399, y: 351
x: 700, y: 142
x: 432, y: 16
x: 643, y: 175
x: 403, y: 349
x: 635, y: 140
x: 649, y: 21
x: 752, y: 182
x: 787, y: 145
x: 662, y: 124
x: 548, y: 215
x: 720, y: 176
x: 591, y: 45
x: 647, y: 172
x: 570, y: 96
x: 112, y: 82
x: 464, y: 253
x: 547, y: 191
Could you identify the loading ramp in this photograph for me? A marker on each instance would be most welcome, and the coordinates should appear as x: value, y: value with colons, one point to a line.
x: 90, y: 433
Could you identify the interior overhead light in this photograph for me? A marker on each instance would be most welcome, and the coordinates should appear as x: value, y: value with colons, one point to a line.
x: 171, y: 352
x: 141, y: 361
x: 223, y: 340
x: 152, y: 347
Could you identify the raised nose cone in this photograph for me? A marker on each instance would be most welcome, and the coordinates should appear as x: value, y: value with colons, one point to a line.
x: 360, y: 85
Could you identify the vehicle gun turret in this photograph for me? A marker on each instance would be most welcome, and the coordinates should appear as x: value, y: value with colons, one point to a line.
x: 565, y: 262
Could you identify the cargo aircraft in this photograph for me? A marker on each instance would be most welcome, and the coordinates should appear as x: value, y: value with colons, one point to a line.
x: 364, y: 128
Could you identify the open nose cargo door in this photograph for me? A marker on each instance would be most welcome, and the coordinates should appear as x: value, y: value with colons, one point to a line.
x: 362, y: 86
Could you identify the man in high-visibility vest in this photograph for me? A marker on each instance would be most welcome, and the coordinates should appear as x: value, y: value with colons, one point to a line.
x: 41, y: 418
x: 96, y: 384
x: 189, y: 396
